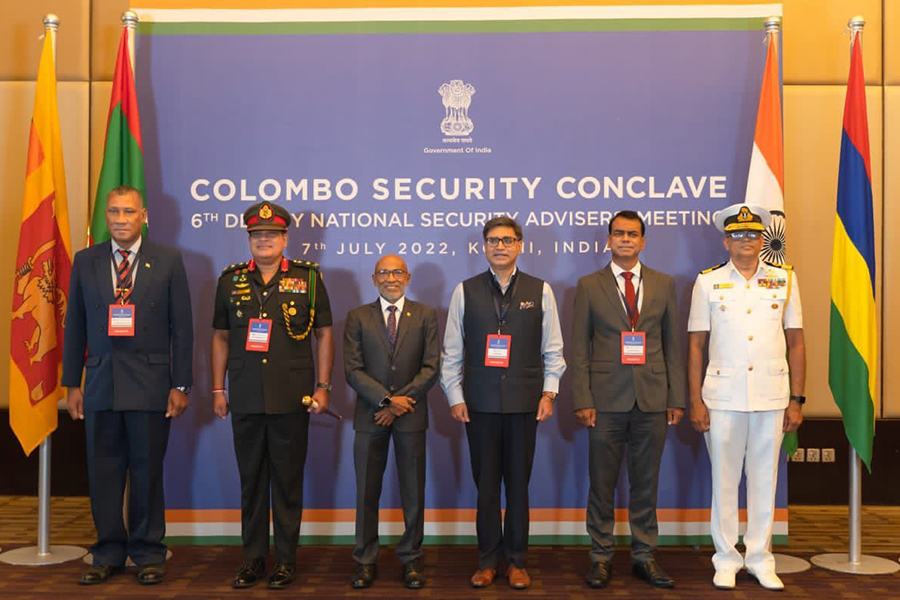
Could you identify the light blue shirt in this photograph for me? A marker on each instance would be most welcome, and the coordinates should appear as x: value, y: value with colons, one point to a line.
x: 452, y: 355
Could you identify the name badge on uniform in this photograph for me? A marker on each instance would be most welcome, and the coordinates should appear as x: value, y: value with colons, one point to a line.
x: 634, y: 347
x: 258, y: 335
x: 121, y: 320
x: 496, y: 352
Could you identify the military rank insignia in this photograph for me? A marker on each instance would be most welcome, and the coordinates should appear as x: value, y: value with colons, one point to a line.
x: 723, y: 286
x: 292, y: 285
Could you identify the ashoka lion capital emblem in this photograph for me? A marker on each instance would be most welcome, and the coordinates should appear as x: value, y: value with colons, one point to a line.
x: 456, y: 96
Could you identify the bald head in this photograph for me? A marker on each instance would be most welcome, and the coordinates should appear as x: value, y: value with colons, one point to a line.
x: 391, y: 277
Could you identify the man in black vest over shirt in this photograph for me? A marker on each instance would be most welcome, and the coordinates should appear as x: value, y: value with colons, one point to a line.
x: 500, y: 368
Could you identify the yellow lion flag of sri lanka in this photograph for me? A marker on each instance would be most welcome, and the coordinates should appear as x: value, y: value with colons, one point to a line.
x: 41, y: 279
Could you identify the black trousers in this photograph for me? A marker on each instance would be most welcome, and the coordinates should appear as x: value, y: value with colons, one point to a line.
x: 271, y: 454
x: 119, y: 443
x: 643, y: 436
x: 501, y: 447
x: 370, y: 453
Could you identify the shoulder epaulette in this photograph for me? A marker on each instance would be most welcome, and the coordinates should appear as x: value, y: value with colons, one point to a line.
x: 711, y: 269
x: 234, y: 267
x: 305, y: 263
x: 778, y: 266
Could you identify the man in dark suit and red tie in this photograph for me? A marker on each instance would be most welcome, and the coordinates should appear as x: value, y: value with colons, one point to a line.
x: 391, y: 356
x: 129, y: 327
x: 628, y: 385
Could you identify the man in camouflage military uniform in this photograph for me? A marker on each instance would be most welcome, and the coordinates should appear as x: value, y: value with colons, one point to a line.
x: 264, y: 313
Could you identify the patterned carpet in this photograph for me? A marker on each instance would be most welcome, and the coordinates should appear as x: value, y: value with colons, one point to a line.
x: 558, y: 571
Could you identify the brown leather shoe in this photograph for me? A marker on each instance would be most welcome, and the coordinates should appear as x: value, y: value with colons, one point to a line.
x: 483, y: 578
x: 518, y: 578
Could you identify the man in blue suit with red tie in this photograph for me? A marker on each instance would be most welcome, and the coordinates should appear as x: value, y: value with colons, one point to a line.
x: 129, y: 327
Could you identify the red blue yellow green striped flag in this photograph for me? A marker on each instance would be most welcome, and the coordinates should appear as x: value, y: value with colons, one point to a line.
x: 853, y: 352
x: 123, y: 153
x: 43, y: 264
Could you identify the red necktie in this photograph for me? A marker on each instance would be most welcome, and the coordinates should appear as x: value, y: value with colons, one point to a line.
x: 123, y: 280
x: 630, y: 298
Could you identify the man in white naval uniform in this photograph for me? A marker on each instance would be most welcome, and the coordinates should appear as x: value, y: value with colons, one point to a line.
x: 753, y: 388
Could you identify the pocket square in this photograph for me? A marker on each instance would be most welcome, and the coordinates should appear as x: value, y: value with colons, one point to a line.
x: 525, y: 304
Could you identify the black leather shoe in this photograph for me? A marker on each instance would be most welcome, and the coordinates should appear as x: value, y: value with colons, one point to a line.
x: 96, y: 574
x: 599, y: 575
x: 151, y: 574
x: 652, y: 573
x: 414, y: 574
x: 364, y: 576
x: 249, y: 573
x: 282, y: 576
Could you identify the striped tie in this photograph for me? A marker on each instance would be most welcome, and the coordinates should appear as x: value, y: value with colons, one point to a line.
x: 123, y: 279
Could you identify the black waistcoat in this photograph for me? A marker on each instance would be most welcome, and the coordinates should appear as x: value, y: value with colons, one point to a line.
x: 516, y: 389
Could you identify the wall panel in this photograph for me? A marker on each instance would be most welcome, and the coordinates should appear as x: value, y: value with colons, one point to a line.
x: 891, y: 279
x: 816, y: 45
x: 20, y: 48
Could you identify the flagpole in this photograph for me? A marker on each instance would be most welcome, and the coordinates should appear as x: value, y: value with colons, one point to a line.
x: 44, y: 553
x: 855, y: 561
x: 783, y: 562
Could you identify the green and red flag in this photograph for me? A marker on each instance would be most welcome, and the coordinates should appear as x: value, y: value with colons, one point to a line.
x: 123, y: 153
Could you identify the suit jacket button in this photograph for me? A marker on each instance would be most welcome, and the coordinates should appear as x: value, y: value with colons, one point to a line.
x: 265, y: 361
x: 503, y: 376
x: 393, y: 368
x: 391, y: 388
x: 153, y: 305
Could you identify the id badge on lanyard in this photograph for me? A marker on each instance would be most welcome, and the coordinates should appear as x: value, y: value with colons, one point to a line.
x: 259, y: 334
x: 121, y: 320
x: 634, y: 347
x: 496, y: 351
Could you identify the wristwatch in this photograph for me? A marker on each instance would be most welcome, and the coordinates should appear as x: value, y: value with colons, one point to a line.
x: 324, y: 386
x: 801, y: 400
x: 551, y: 395
x: 184, y: 389
x: 386, y: 401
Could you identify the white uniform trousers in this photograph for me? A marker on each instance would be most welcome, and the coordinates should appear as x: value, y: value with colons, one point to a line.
x: 751, y: 440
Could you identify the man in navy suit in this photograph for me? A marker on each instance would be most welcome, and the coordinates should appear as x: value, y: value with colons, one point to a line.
x: 129, y: 327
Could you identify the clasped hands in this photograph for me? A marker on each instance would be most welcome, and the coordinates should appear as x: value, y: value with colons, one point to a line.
x: 399, y: 406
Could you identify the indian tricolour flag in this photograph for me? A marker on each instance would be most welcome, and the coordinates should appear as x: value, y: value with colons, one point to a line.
x: 765, y: 182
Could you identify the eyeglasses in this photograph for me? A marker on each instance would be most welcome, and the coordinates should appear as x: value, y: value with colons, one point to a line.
x: 750, y: 235
x: 493, y: 242
x: 385, y: 273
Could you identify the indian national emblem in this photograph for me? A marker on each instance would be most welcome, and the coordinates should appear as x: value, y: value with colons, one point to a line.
x: 456, y: 96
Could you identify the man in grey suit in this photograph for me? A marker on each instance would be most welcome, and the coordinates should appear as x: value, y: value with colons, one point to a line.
x: 391, y: 356
x: 628, y: 384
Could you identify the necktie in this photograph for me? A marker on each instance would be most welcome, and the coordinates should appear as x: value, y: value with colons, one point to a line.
x: 392, y: 325
x: 630, y: 299
x: 123, y: 279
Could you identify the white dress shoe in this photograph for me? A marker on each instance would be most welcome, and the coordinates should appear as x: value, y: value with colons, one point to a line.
x: 723, y: 580
x: 768, y: 579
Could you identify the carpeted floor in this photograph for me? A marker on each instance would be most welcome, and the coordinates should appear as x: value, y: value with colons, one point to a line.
x: 324, y: 572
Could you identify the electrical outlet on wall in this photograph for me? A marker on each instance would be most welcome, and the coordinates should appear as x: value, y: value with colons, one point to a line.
x: 812, y: 455
x: 798, y: 455
x: 828, y: 455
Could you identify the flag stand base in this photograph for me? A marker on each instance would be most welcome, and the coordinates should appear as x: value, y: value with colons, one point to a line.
x: 785, y: 564
x: 30, y: 556
x: 867, y: 565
